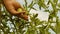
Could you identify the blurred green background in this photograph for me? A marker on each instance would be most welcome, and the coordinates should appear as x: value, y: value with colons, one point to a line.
x: 10, y: 24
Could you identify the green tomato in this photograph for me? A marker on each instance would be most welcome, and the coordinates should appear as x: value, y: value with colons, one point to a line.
x: 19, y: 10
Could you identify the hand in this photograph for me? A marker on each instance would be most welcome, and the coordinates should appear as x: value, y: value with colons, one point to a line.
x: 25, y: 17
x: 11, y: 5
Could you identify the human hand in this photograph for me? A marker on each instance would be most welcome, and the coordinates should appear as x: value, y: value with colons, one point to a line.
x: 23, y: 16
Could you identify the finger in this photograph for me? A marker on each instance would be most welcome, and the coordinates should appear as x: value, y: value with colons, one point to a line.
x: 25, y: 17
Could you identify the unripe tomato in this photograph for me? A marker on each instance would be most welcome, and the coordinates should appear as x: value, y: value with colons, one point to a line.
x: 19, y: 10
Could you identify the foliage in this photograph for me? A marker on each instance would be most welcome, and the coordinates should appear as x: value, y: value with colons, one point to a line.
x: 10, y: 24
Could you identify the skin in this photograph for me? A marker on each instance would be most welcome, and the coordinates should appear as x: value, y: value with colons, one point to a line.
x: 12, y: 6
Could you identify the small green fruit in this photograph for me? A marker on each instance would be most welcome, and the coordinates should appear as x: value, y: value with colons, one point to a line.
x: 19, y: 10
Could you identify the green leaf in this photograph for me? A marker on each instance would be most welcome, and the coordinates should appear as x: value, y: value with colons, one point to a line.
x: 35, y: 15
x: 31, y: 5
x: 41, y: 4
x: 55, y: 1
x: 47, y: 11
x: 33, y: 8
x: 25, y: 5
x: 12, y: 33
x: 48, y: 2
x: 58, y: 4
